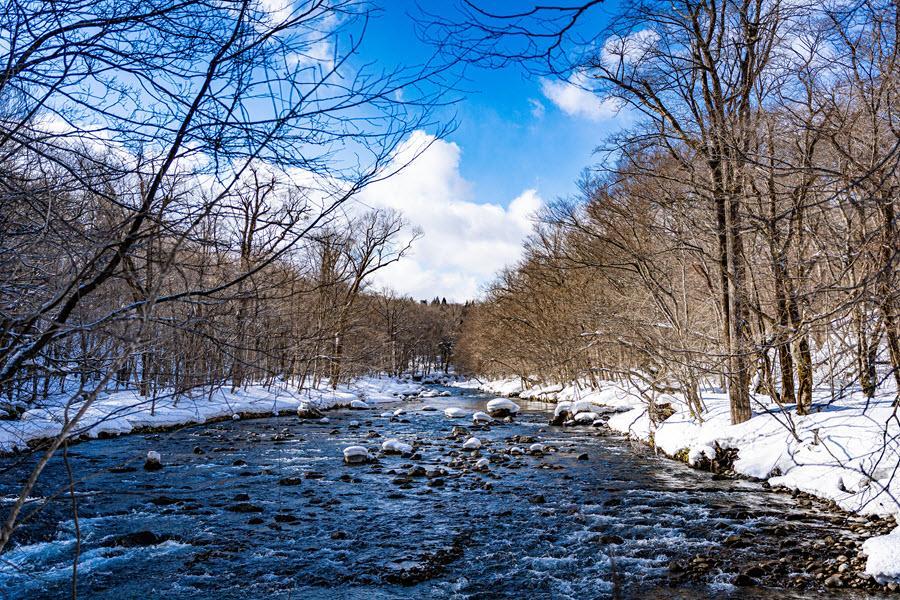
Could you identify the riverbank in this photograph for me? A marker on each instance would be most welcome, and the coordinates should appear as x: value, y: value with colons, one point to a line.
x: 123, y: 412
x: 846, y: 451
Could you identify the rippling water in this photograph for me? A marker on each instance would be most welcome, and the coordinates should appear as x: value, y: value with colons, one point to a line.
x: 220, y: 525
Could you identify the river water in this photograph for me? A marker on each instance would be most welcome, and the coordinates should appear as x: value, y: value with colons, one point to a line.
x: 268, y: 510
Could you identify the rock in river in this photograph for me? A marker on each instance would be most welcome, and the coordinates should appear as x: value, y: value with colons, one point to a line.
x: 502, y: 407
x: 356, y: 455
x: 153, y: 462
x: 454, y: 412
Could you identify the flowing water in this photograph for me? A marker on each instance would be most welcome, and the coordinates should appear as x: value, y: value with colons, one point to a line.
x: 269, y: 510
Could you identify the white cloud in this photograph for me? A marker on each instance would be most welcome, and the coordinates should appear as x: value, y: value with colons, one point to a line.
x: 464, y: 243
x: 575, y: 98
x: 537, y: 108
x: 629, y: 48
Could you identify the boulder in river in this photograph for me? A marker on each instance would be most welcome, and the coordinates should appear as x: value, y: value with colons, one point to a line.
x: 482, y: 464
x: 308, y: 411
x: 481, y: 417
x: 473, y: 443
x: 359, y: 405
x: 356, y: 455
x: 153, y: 462
x: 454, y: 412
x: 537, y: 448
x: 502, y: 407
x: 395, y: 446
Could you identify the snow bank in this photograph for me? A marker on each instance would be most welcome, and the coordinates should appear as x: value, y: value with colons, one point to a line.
x: 122, y: 412
x: 883, y: 552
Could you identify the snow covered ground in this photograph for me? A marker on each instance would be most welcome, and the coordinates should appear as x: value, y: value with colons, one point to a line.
x: 847, y: 451
x: 121, y: 412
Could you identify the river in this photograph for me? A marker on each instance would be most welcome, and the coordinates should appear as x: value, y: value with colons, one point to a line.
x: 265, y: 508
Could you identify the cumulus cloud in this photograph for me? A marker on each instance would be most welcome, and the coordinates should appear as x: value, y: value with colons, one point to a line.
x: 464, y: 243
x: 575, y: 98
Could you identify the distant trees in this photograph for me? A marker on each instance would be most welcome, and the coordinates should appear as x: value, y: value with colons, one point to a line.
x: 743, y: 231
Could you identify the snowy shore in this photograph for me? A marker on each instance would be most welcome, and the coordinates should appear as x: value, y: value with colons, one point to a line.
x: 122, y: 412
x: 847, y: 451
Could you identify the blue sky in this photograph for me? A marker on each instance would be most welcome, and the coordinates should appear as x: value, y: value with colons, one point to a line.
x: 521, y: 141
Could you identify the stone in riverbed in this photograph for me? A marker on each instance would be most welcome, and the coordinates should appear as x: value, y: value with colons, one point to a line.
x: 454, y: 412
x: 153, y: 462
x: 359, y: 405
x: 356, y: 455
x: 473, y: 443
x: 481, y: 417
x: 308, y: 411
x: 502, y: 407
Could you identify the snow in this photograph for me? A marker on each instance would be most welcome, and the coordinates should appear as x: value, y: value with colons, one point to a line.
x: 123, y: 411
x: 473, y: 443
x: 481, y: 417
x: 454, y: 412
x: 355, y: 454
x: 359, y: 405
x: 883, y: 552
x: 502, y: 406
x: 395, y: 446
x: 537, y: 448
x: 847, y: 450
x: 482, y: 464
x: 153, y: 456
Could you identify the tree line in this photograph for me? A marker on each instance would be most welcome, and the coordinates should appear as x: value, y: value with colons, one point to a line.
x: 741, y: 232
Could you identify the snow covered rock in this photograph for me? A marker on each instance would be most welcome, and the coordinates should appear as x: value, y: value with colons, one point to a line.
x: 153, y: 462
x: 454, y: 413
x: 387, y: 415
x: 308, y: 411
x: 883, y: 552
x: 428, y: 408
x: 395, y: 446
x: 482, y: 464
x: 481, y: 417
x: 537, y: 448
x: 359, y: 405
x: 235, y: 417
x: 516, y: 451
x: 324, y: 420
x: 356, y: 455
x: 399, y: 412
x: 473, y: 443
x: 586, y: 418
x: 502, y: 407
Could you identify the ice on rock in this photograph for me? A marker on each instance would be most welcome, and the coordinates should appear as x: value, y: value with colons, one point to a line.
x: 454, y: 412
x: 473, y: 443
x: 502, y: 407
x: 324, y: 420
x: 482, y: 464
x: 395, y: 446
x: 235, y: 417
x: 359, y: 405
x: 387, y: 415
x: 481, y: 417
x: 515, y: 450
x: 354, y: 455
x: 398, y: 412
x: 428, y: 408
